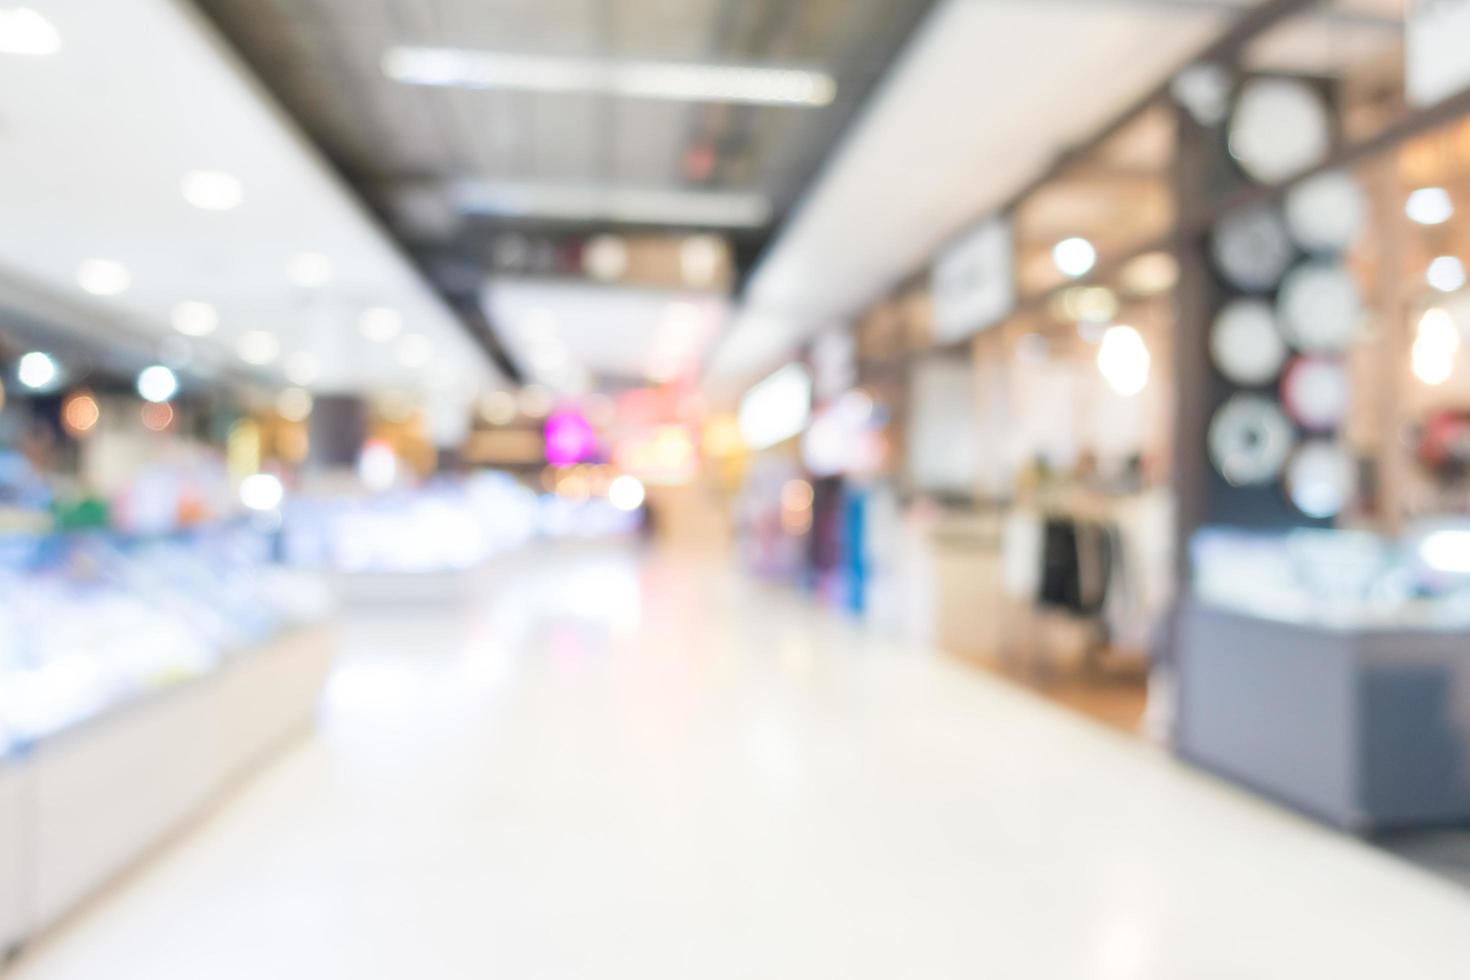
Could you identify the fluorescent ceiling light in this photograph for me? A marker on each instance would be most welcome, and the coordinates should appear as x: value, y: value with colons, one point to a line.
x: 584, y: 202
x: 25, y: 31
x: 213, y: 190
x: 103, y: 277
x: 750, y: 84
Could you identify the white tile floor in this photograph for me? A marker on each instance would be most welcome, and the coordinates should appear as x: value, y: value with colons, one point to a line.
x: 654, y: 770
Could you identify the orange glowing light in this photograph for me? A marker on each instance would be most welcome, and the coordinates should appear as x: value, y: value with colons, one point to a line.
x: 79, y: 413
x: 157, y: 416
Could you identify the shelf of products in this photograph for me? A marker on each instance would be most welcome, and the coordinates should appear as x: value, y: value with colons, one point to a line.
x: 138, y: 676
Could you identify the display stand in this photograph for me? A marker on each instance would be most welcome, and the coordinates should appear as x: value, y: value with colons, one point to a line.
x: 1366, y: 729
x: 371, y: 588
x: 102, y: 794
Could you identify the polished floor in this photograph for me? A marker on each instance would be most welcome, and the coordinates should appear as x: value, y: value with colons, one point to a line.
x: 651, y: 768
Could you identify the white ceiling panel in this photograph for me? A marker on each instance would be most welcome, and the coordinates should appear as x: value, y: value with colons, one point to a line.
x: 986, y: 95
x: 95, y: 141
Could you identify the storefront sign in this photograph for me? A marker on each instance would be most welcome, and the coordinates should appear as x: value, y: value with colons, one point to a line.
x: 973, y: 282
x: 777, y: 408
x: 1435, y: 36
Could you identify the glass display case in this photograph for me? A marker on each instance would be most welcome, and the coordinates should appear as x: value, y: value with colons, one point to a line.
x: 92, y: 621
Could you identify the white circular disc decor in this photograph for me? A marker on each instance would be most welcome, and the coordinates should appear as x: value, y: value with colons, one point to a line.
x: 1250, y: 440
x: 1319, y: 308
x: 1321, y: 479
x: 1279, y: 128
x: 1252, y: 248
x: 1326, y: 213
x: 1316, y: 392
x: 1245, y: 344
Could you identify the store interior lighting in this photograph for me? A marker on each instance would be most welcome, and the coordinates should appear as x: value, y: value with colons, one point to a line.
x: 1430, y: 206
x: 749, y: 85
x: 309, y: 270
x: 37, y: 371
x: 25, y: 31
x: 1074, y: 257
x: 613, y: 203
x: 1124, y: 360
x: 261, y: 492
x: 1446, y: 274
x: 194, y: 318
x: 1436, y: 345
x: 294, y: 404
x: 156, y: 383
x: 213, y: 190
x: 302, y: 368
x: 258, y: 347
x: 104, y: 277
x: 380, y: 324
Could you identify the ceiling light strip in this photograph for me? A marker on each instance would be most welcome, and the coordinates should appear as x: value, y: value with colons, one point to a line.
x: 747, y: 84
x: 576, y: 202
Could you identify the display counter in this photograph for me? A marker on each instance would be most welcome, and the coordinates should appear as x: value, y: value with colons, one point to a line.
x: 138, y: 678
x: 80, y: 806
x: 12, y: 855
x: 1367, y: 728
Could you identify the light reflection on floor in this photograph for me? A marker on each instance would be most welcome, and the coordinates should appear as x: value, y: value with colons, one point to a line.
x: 615, y: 767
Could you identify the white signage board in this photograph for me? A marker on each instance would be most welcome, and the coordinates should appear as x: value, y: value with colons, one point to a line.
x: 973, y: 282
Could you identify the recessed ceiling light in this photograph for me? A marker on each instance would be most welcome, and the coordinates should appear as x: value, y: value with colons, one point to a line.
x: 194, y: 318
x: 606, y: 258
x: 748, y: 84
x: 536, y: 401
x: 104, y: 277
x: 213, y: 190
x: 380, y: 324
x: 258, y: 347
x: 37, y: 371
x: 498, y: 408
x: 25, y: 31
x: 700, y: 258
x: 302, y: 368
x: 1074, y: 257
x: 1430, y: 206
x: 309, y: 270
x: 157, y: 383
x: 414, y: 350
x: 294, y: 404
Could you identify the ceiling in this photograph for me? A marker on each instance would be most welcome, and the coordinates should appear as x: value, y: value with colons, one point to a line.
x: 96, y: 141
x: 988, y: 93
x: 453, y: 170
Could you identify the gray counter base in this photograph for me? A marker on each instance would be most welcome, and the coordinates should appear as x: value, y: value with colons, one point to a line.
x: 1369, y: 731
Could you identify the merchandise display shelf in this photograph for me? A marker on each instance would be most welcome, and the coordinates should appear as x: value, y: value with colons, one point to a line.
x: 1367, y: 728
x: 148, y: 766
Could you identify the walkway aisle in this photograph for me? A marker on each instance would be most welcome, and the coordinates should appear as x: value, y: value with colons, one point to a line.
x: 655, y: 771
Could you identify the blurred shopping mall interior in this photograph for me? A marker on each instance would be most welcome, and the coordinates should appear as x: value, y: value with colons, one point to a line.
x: 734, y: 489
